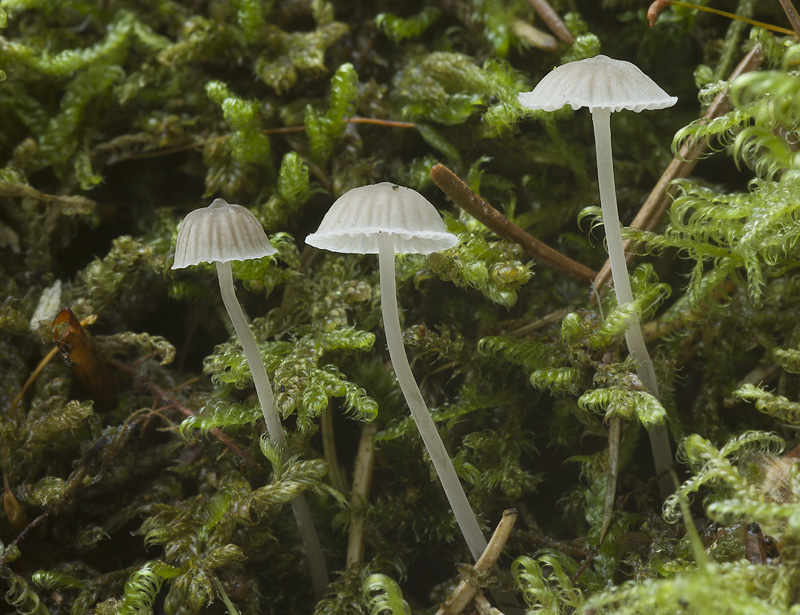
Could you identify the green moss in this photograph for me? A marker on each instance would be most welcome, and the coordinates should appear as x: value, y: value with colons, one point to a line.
x: 119, y: 117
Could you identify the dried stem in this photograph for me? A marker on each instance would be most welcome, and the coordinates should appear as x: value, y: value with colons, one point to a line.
x: 654, y: 208
x: 281, y: 130
x: 10, y: 548
x: 473, y: 204
x: 329, y: 450
x: 483, y: 607
x: 553, y: 20
x: 461, y: 596
x: 362, y: 480
x: 791, y: 15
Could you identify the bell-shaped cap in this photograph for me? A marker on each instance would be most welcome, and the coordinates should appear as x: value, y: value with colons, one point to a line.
x: 355, y: 220
x: 220, y: 232
x: 597, y: 83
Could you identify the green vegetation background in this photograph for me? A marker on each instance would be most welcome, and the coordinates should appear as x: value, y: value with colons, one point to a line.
x: 119, y: 117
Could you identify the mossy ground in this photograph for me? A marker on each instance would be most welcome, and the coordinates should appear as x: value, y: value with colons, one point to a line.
x: 136, y: 478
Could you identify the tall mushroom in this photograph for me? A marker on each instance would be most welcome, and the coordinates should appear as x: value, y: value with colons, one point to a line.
x: 221, y: 233
x: 387, y: 219
x: 604, y: 85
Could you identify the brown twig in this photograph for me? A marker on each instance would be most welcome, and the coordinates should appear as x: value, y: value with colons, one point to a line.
x: 162, y: 394
x: 791, y: 14
x: 465, y: 198
x: 654, y: 208
x: 553, y: 20
x: 461, y: 596
x: 14, y: 189
x: 10, y: 548
x: 362, y: 480
x: 552, y: 317
x: 267, y: 131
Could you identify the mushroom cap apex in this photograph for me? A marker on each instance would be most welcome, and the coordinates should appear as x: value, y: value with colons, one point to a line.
x: 597, y: 83
x: 221, y: 232
x: 356, y: 218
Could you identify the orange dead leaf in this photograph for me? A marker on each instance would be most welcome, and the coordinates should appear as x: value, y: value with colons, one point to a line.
x: 88, y: 367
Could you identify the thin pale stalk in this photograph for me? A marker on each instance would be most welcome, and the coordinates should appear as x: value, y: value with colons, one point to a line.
x: 329, y: 450
x: 659, y: 441
x: 316, y: 560
x: 442, y: 463
x: 362, y: 480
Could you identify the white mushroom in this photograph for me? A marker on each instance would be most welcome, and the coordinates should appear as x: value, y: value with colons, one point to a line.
x: 603, y: 85
x: 387, y: 219
x: 221, y: 233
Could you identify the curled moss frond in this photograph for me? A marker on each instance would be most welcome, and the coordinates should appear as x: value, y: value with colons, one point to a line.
x: 776, y: 406
x: 545, y: 582
x: 399, y: 28
x: 142, y: 587
x: 383, y: 596
x: 716, y: 467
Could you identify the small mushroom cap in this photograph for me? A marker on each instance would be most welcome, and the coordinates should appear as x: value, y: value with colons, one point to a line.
x: 220, y: 232
x: 355, y: 220
x: 597, y: 83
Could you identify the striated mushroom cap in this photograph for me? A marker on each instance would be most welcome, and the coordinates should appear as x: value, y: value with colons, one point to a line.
x: 597, y: 83
x: 355, y: 220
x: 220, y: 232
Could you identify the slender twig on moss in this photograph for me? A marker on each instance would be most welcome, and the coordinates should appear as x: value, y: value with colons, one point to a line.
x: 362, y: 480
x: 614, y: 429
x: 461, y: 596
x: 161, y: 393
x: 19, y: 189
x: 473, y: 204
x: 552, y: 317
x: 269, y: 131
x: 552, y: 19
x: 791, y: 15
x: 10, y: 548
x: 659, y: 5
x: 654, y: 208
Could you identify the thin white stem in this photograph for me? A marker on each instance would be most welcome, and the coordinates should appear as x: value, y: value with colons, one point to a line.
x: 316, y: 560
x: 442, y: 463
x: 659, y: 441
x: 362, y: 481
